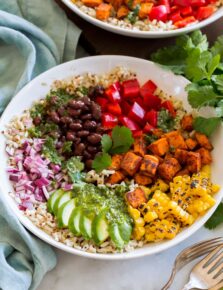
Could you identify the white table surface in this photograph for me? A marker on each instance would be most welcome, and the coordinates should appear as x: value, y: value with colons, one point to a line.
x: 147, y: 273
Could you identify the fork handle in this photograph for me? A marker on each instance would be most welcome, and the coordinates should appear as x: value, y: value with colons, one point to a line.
x: 189, y: 285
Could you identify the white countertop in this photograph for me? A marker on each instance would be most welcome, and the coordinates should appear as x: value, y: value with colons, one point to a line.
x: 147, y: 273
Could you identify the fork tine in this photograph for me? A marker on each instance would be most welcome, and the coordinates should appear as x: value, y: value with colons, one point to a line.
x: 205, y: 261
x: 212, y: 265
x: 217, y: 273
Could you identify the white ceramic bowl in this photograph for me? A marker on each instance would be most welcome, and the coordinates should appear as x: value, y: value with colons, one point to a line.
x: 39, y: 87
x: 144, y: 34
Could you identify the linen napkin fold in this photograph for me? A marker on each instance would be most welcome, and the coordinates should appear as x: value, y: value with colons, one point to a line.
x: 34, y: 36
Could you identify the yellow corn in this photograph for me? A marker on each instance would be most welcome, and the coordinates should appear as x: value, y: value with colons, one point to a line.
x: 134, y: 213
x: 160, y: 185
x: 138, y: 233
x: 215, y: 188
x: 180, y: 214
x: 139, y: 222
x: 150, y: 216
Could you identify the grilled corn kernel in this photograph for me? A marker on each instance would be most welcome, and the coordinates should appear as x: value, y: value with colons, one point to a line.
x: 147, y: 191
x: 207, y: 170
x: 150, y: 216
x: 139, y: 222
x: 150, y: 237
x: 138, y: 233
x: 215, y: 188
x: 180, y: 214
x: 134, y: 213
x: 160, y: 185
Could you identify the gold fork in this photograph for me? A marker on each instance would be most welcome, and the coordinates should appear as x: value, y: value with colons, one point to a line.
x: 191, y: 253
x: 208, y: 272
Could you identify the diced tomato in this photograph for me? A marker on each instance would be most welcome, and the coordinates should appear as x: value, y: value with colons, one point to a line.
x: 152, y: 117
x: 109, y: 121
x: 148, y: 89
x: 129, y: 123
x: 113, y: 94
x: 131, y: 89
x: 204, y: 12
x: 169, y: 106
x: 185, y: 21
x: 165, y: 3
x: 197, y: 3
x: 114, y: 108
x: 183, y: 3
x: 186, y: 11
x: 148, y: 128
x: 152, y: 102
x: 126, y: 107
x: 158, y: 13
x: 175, y: 16
x: 137, y: 133
x: 102, y: 102
x: 137, y: 113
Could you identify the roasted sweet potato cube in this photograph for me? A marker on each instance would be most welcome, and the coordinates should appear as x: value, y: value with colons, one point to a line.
x: 140, y: 146
x: 191, y: 143
x: 187, y: 122
x: 169, y: 168
x: 203, y: 141
x: 92, y: 3
x: 175, y: 140
x: 183, y: 172
x: 122, y: 12
x: 131, y: 163
x: 145, y: 9
x: 159, y: 147
x: 149, y: 165
x: 157, y: 132
x: 193, y: 162
x: 116, y: 162
x: 136, y: 197
x: 142, y: 179
x: 103, y: 11
x: 205, y: 156
x: 116, y: 177
x: 181, y: 155
x: 159, y: 158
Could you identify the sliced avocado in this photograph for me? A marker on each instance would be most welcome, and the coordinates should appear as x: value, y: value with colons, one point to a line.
x: 125, y: 230
x: 74, y: 221
x: 65, y: 212
x: 100, y: 228
x: 61, y: 200
x: 86, y: 220
x: 116, y: 236
x: 53, y: 199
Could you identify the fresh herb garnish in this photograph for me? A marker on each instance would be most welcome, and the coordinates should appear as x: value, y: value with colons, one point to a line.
x: 120, y: 142
x: 37, y: 110
x: 50, y: 152
x: 133, y: 15
x: 165, y: 121
x: 216, y: 219
x: 83, y: 90
x: 74, y: 168
x: 206, y: 125
x: 67, y: 147
x: 150, y: 138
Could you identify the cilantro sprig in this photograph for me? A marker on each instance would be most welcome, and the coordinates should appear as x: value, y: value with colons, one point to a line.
x: 192, y: 57
x: 216, y: 219
x: 120, y: 142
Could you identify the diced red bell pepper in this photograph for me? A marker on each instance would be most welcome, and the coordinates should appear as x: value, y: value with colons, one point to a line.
x: 102, y: 102
x: 204, y: 12
x: 185, y: 21
x: 197, y: 3
x: 126, y: 107
x: 113, y: 94
x: 129, y: 123
x: 152, y: 117
x: 117, y: 86
x: 186, y: 11
x: 152, y: 102
x: 137, y: 113
x: 130, y: 89
x: 114, y: 108
x: 159, y: 13
x: 168, y: 105
x: 148, y: 89
x: 175, y: 16
x: 140, y: 101
x: 174, y: 8
x: 183, y: 3
x: 148, y: 128
x: 109, y: 121
x: 137, y: 133
x: 165, y: 3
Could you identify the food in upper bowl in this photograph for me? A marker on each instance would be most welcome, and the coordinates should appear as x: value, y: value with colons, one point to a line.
x: 149, y: 15
x: 105, y: 164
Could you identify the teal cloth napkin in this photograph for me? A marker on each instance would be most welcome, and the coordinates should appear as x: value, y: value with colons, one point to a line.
x: 34, y: 36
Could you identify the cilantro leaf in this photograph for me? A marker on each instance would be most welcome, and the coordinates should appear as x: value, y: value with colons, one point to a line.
x: 122, y: 140
x: 132, y: 16
x: 219, y: 109
x: 101, y: 161
x: 218, y: 81
x: 50, y: 152
x: 213, y: 64
x: 206, y: 125
x: 216, y: 219
x: 74, y: 167
x: 106, y: 143
x: 67, y: 147
x: 217, y: 48
x: 199, y: 40
x: 199, y: 96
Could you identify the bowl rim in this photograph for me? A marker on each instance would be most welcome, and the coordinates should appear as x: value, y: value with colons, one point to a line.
x: 144, y: 34
x: 49, y: 239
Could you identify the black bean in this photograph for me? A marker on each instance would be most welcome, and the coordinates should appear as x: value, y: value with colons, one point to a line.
x: 90, y: 125
x: 96, y: 110
x: 75, y: 126
x: 77, y: 140
x: 53, y: 100
x: 88, y: 163
x: 95, y: 91
x: 54, y: 134
x: 94, y: 138
x: 83, y: 133
x: 78, y: 105
x: 70, y: 136
x: 86, y: 117
x: 74, y: 112
x: 66, y: 120
x: 59, y: 145
x: 92, y: 149
x: 86, y: 100
x: 79, y: 149
x: 87, y: 155
x: 100, y: 129
x: 37, y: 121
x: 54, y: 117
x: 61, y: 111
